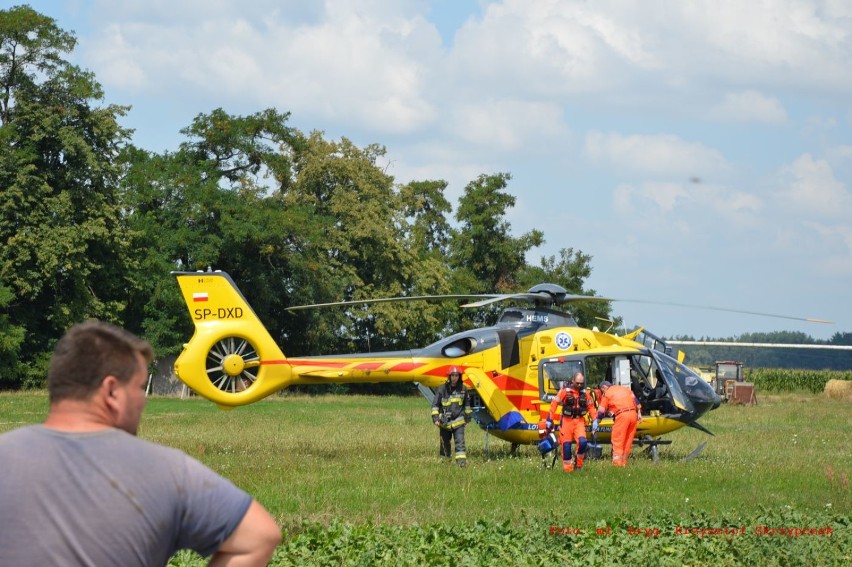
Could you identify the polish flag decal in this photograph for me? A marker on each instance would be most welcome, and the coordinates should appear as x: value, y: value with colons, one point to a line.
x: 199, y: 296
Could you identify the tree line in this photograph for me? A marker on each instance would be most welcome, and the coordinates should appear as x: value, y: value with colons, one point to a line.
x: 92, y: 225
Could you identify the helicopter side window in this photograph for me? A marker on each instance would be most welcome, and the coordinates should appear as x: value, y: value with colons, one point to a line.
x: 553, y: 374
x: 510, y: 316
x: 550, y: 387
x: 599, y: 368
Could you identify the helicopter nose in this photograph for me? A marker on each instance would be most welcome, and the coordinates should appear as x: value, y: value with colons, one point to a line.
x: 702, y: 395
x: 703, y: 407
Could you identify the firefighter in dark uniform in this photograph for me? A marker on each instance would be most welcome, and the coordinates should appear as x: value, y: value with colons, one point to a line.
x: 450, y: 413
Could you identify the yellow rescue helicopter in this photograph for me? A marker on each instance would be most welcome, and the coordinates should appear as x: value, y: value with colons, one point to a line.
x: 515, y: 367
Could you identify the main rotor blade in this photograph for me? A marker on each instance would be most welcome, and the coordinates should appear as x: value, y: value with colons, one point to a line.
x: 386, y: 299
x: 759, y: 345
x: 711, y: 308
x: 539, y: 297
x: 495, y: 298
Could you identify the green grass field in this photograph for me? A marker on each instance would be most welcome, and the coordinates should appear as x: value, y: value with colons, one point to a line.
x: 350, y: 477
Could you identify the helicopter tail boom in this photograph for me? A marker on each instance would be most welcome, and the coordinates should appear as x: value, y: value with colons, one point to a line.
x: 231, y: 359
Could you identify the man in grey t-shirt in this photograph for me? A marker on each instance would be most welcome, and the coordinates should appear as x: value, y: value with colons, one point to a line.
x: 81, y: 489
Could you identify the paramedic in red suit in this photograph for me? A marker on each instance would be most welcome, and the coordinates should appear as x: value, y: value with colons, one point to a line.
x: 576, y: 405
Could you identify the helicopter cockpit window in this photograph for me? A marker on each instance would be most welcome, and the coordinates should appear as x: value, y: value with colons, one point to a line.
x: 695, y: 388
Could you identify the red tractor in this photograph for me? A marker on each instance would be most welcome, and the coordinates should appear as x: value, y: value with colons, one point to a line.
x: 728, y: 373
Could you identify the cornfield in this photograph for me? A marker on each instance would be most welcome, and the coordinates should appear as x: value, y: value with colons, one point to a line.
x: 792, y: 380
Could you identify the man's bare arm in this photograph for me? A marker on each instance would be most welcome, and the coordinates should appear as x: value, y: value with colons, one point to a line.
x: 253, y: 542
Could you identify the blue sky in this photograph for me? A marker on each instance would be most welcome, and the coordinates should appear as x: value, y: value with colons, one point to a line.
x: 699, y: 151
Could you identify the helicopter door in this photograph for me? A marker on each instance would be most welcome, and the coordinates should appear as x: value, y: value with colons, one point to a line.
x: 672, y: 370
x: 649, y: 386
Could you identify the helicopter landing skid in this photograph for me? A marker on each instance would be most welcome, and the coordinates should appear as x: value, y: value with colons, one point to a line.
x: 695, y: 452
x: 652, y: 445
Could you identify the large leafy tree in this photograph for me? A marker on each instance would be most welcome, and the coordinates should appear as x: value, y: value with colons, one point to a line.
x: 424, y: 204
x: 65, y: 248
x: 11, y: 342
x: 296, y: 220
x: 364, y: 252
x: 570, y: 271
x: 217, y: 203
x: 428, y: 235
x: 483, y: 247
x: 31, y: 45
x: 484, y: 256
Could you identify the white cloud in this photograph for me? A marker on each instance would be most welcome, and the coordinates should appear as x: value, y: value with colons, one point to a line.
x: 509, y: 125
x: 840, y: 158
x: 842, y: 152
x: 750, y: 106
x: 807, y: 222
x: 663, y: 201
x: 368, y: 68
x: 549, y: 48
x: 791, y: 42
x: 380, y: 64
x: 353, y: 71
x: 813, y: 190
x: 841, y: 236
x: 818, y: 125
x: 554, y: 48
x: 661, y: 154
x: 662, y: 196
x: 116, y: 64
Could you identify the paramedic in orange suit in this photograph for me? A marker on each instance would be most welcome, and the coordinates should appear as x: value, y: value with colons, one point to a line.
x: 627, y: 413
x: 576, y: 404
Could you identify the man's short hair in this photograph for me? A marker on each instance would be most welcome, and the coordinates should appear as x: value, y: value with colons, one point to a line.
x: 88, y: 353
